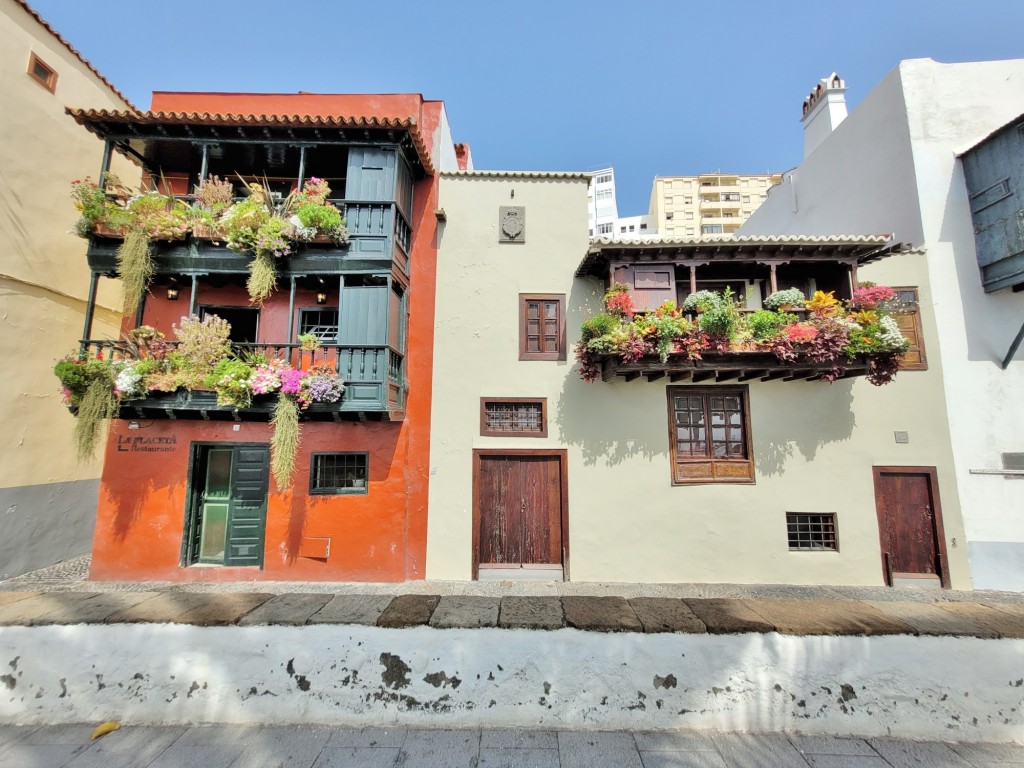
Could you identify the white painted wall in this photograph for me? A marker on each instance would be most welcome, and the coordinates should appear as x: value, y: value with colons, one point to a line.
x: 488, y: 678
x: 814, y: 443
x: 891, y: 167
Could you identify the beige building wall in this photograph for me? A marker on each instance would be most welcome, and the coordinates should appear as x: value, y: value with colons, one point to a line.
x: 712, y: 203
x: 49, y: 500
x: 814, y: 444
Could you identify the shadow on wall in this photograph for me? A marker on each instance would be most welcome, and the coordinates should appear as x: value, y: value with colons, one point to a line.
x: 985, y: 315
x: 822, y: 417
x: 128, y: 500
x: 612, y: 422
x: 609, y: 422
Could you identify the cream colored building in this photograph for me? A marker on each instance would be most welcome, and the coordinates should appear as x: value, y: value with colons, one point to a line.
x: 48, y: 500
x: 528, y: 462
x: 709, y: 204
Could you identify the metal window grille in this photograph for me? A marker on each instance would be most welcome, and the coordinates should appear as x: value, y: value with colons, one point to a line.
x: 514, y: 417
x: 339, y: 473
x: 811, y: 532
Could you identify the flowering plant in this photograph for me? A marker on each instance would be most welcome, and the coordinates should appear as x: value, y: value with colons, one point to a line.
x: 266, y: 377
x: 322, y: 385
x: 793, y: 297
x: 801, y: 333
x: 869, y: 296
x: 829, y: 338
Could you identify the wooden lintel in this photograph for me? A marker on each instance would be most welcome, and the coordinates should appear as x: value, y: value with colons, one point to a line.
x: 631, y: 375
x: 654, y: 375
x: 680, y: 376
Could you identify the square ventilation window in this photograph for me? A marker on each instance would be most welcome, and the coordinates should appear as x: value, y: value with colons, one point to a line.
x: 1013, y: 461
x: 811, y: 533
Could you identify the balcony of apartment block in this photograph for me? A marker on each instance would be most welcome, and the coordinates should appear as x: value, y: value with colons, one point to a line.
x: 742, y: 272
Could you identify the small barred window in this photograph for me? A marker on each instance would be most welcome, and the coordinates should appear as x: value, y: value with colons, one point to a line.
x: 811, y: 533
x: 501, y: 416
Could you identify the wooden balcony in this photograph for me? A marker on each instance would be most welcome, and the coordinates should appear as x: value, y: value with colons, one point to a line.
x: 374, y: 379
x: 379, y: 238
x: 713, y: 367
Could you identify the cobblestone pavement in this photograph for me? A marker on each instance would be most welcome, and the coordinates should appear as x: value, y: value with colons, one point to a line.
x: 73, y: 576
x: 321, y: 747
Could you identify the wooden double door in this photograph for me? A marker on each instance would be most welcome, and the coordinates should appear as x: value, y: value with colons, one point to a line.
x: 910, y: 526
x: 519, y: 519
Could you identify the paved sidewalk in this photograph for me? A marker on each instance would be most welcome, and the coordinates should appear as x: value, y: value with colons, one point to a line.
x: 990, y: 619
x: 241, y: 747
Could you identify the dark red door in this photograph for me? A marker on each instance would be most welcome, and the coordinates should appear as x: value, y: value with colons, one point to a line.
x: 908, y: 522
x: 520, y: 500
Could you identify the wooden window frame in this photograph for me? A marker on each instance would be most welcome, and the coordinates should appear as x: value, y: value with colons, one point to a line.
x: 835, y: 531
x: 335, y: 491
x: 485, y: 401
x: 923, y: 365
x: 722, y: 471
x: 524, y: 300
x: 50, y: 81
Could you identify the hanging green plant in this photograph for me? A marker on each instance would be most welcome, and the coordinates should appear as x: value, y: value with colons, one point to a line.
x: 135, y: 266
x: 98, y: 406
x: 262, y: 278
x: 284, y: 445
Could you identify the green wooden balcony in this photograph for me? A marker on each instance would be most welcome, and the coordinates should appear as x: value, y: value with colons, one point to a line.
x: 373, y: 375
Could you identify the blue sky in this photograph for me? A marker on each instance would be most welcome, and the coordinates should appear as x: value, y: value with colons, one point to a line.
x: 653, y: 88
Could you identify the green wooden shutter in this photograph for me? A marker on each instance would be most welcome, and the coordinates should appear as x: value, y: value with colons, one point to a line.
x: 371, y: 174
x: 247, y: 520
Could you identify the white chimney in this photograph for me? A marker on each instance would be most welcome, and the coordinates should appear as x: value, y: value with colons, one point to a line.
x: 824, y: 109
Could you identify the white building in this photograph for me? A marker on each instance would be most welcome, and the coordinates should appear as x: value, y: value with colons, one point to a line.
x: 893, y: 166
x: 603, y: 211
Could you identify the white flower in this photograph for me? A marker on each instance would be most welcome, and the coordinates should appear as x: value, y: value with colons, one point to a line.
x: 891, y: 336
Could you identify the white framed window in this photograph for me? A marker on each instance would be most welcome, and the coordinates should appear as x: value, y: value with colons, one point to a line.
x: 689, y: 215
x: 604, y: 229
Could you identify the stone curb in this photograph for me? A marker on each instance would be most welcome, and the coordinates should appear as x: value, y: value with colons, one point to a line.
x: 990, y: 620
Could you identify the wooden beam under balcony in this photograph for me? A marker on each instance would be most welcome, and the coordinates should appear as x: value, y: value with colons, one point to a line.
x: 716, y: 367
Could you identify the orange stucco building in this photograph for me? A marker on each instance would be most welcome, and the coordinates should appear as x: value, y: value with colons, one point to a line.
x: 185, y: 492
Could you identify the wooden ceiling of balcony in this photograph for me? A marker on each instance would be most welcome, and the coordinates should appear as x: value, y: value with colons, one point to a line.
x: 857, y: 249
x: 135, y: 128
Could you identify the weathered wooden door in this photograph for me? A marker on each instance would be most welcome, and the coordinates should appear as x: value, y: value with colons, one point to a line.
x: 519, y: 502
x: 909, y: 524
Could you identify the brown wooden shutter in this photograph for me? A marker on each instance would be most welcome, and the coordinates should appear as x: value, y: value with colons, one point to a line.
x: 652, y: 286
x: 908, y: 318
x: 542, y: 327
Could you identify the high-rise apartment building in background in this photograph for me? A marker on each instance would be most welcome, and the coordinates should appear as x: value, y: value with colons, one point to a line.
x: 681, y: 206
x: 709, y: 204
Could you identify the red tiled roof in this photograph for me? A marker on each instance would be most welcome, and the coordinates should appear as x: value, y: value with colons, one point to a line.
x: 35, y: 14
x: 87, y: 117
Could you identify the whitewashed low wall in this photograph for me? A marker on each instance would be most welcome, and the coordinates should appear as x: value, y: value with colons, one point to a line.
x: 959, y: 689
